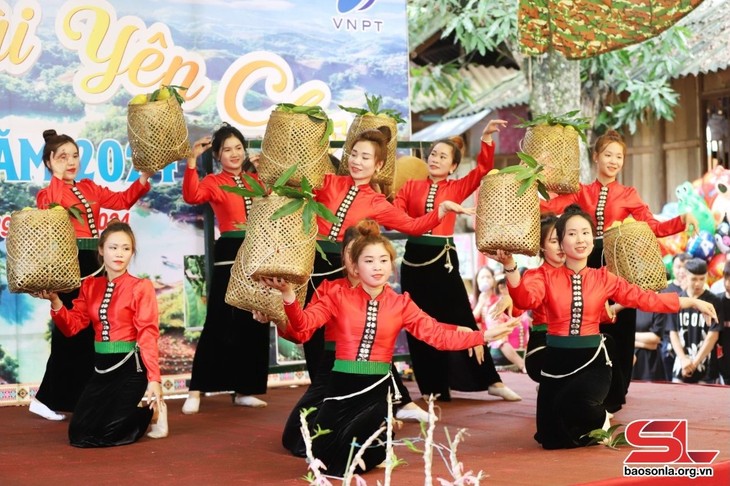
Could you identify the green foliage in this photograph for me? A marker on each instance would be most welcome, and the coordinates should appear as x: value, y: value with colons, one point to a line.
x: 569, y: 119
x: 15, y: 197
x: 173, y: 90
x: 373, y: 108
x: 72, y: 210
x: 528, y: 172
x: 8, y: 367
x: 301, y: 198
x: 170, y: 307
x: 315, y: 113
x: 607, y: 437
x: 626, y: 86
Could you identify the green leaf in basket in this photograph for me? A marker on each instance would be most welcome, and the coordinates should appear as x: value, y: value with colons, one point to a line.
x: 327, y: 132
x: 289, y: 208
x: 254, y: 184
x: 325, y: 213
x: 241, y: 191
x: 285, y: 107
x: 512, y: 169
x: 307, y: 214
x: 283, y: 178
x: 306, y: 187
x: 528, y: 159
x: 321, y: 252
x: 76, y: 213
x: 524, y: 186
x: 290, y: 192
x: 543, y: 190
x: 356, y: 111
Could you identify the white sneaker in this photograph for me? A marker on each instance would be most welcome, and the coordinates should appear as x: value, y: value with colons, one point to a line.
x: 249, y: 401
x: 191, y: 405
x: 413, y: 413
x: 159, y: 429
x: 41, y: 409
x: 504, y: 392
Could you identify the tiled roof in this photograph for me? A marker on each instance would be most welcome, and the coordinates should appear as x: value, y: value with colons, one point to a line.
x: 710, y: 42
x: 482, y: 80
x: 510, y: 91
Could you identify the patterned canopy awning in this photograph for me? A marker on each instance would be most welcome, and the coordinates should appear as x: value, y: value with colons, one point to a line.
x: 584, y: 28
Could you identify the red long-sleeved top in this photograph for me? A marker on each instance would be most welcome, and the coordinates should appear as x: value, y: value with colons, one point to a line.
x: 229, y: 209
x: 347, y: 311
x: 367, y: 204
x: 96, y: 196
x: 574, y: 304
x: 621, y: 202
x: 132, y: 315
x: 412, y: 196
x: 324, y: 288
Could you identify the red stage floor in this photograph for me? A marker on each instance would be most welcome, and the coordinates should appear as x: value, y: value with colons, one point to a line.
x: 225, y: 445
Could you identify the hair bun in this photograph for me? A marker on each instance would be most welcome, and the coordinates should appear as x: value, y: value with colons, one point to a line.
x: 385, y: 130
x: 458, y: 142
x: 368, y: 227
x: 573, y: 209
x: 49, y: 134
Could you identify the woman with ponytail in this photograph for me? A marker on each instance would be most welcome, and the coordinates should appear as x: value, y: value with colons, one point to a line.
x: 352, y: 199
x: 366, y: 320
x: 576, y: 373
x: 608, y: 201
x: 71, y: 362
x: 430, y: 272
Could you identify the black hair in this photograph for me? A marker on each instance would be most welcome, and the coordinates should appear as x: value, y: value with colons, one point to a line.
x: 696, y: 266
x: 570, y: 211
x: 547, y: 223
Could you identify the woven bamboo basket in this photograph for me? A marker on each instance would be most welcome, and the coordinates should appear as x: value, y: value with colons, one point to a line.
x: 557, y: 148
x: 278, y: 248
x: 42, y: 252
x: 408, y: 168
x: 158, y: 134
x: 506, y: 221
x: 294, y: 138
x: 245, y: 293
x: 370, y: 122
x: 632, y: 252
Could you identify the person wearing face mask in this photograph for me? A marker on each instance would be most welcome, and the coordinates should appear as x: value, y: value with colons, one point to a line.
x: 608, y: 201
x: 71, y: 362
x: 233, y: 350
x: 577, y: 369
x: 352, y: 199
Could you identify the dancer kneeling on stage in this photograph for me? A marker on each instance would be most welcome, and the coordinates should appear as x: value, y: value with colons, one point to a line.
x: 123, y: 312
x: 366, y: 320
x: 576, y: 370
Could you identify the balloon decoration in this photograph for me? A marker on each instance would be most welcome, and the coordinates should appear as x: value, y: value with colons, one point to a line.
x: 702, y: 245
x: 691, y: 202
x: 715, y: 267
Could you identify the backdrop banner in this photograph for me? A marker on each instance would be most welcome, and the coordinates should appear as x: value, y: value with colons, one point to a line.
x: 74, y: 65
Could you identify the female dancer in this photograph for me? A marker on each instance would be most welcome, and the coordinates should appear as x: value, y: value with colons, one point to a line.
x: 366, y: 320
x: 233, y: 350
x: 292, y: 437
x: 576, y: 370
x: 352, y: 199
x: 71, y: 361
x: 121, y: 311
x: 430, y: 272
x: 607, y: 201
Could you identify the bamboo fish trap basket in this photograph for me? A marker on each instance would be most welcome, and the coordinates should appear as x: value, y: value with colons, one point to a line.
x: 632, y: 252
x: 158, y: 134
x: 557, y: 148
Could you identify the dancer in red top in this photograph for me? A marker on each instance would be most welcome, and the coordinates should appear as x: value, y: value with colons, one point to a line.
x: 607, y: 201
x: 352, y: 199
x: 430, y: 271
x: 71, y: 361
x: 233, y: 350
x: 122, y: 312
x: 366, y: 320
x: 577, y: 370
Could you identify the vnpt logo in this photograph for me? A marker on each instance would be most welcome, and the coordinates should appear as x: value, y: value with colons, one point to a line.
x: 355, y: 21
x: 345, y: 6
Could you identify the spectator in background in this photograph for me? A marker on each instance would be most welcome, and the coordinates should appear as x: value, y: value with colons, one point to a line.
x: 723, y: 344
x: 693, y: 338
x: 666, y: 353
